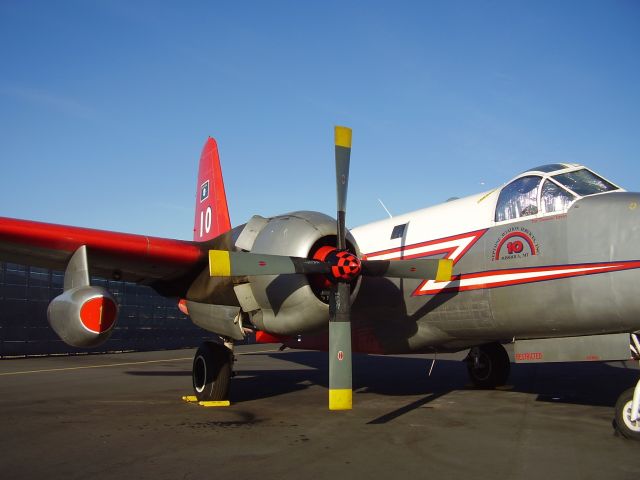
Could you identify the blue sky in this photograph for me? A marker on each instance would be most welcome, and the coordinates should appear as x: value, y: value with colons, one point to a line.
x: 105, y: 105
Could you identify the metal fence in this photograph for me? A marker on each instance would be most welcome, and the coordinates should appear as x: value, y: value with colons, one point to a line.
x: 146, y: 321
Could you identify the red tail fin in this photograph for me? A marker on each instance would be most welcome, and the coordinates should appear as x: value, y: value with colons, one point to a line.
x: 212, y: 213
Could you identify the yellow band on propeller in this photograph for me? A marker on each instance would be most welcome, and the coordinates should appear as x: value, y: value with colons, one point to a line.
x: 445, y: 270
x: 340, y: 399
x: 343, y: 137
x: 219, y: 263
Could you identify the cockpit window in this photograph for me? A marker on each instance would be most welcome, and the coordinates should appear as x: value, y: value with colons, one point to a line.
x: 584, y: 182
x: 554, y: 198
x: 518, y: 199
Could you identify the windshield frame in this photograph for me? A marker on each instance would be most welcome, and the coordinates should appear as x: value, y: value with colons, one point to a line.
x: 559, y: 173
x: 549, y: 176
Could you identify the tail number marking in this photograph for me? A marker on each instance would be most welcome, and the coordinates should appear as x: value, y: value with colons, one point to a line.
x: 205, y: 221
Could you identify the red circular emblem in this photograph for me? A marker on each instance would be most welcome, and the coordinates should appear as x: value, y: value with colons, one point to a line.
x: 340, y: 355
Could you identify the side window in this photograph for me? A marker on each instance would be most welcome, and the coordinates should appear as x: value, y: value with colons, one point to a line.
x: 518, y: 199
x: 398, y: 231
x: 554, y: 199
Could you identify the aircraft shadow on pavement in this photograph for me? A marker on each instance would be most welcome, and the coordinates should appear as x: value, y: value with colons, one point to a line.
x: 595, y: 384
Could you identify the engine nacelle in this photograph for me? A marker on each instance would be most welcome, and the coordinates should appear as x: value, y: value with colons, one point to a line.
x: 290, y: 304
x: 83, y: 316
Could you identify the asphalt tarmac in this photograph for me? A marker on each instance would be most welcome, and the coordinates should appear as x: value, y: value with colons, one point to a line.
x: 121, y: 416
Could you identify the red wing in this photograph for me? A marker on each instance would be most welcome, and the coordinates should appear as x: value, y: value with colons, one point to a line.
x: 112, y: 255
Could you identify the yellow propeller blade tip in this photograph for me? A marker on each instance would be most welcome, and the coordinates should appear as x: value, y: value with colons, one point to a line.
x: 343, y: 137
x: 340, y: 399
x: 219, y: 263
x: 445, y: 270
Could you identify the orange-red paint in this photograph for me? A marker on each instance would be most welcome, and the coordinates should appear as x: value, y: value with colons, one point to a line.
x: 69, y: 239
x: 182, y: 306
x: 212, y: 213
x: 264, y: 337
x: 98, y: 314
x: 528, y: 356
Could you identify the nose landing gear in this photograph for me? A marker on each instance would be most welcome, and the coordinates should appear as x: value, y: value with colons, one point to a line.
x: 627, y: 419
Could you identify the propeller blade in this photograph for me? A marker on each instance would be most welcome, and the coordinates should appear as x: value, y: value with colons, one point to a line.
x: 223, y: 263
x: 343, y: 157
x: 421, y: 269
x: 340, y: 390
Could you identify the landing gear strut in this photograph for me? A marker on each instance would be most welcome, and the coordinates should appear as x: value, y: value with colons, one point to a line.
x: 211, y: 371
x: 488, y: 365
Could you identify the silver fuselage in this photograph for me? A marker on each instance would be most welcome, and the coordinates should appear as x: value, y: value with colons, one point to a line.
x: 571, y: 274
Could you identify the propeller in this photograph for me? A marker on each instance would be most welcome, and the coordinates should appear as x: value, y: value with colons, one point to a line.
x: 328, y: 261
x: 341, y: 267
x: 340, y: 391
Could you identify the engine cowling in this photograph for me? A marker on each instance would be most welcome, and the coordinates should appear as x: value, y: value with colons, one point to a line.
x: 83, y: 316
x: 293, y: 304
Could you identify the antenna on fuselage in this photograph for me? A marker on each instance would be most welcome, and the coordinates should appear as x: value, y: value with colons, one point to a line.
x: 385, y: 209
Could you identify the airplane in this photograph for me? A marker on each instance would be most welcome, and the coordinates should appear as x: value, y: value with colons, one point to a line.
x: 547, y: 262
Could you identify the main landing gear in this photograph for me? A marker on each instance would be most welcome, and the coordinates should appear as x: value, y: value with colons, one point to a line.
x: 488, y: 365
x: 212, y: 370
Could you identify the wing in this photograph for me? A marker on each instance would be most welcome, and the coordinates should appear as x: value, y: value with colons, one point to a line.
x: 112, y: 255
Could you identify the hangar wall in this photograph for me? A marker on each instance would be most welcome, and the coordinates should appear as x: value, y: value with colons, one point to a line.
x: 146, y: 321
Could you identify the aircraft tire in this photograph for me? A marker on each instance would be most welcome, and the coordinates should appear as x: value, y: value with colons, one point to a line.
x: 494, y: 366
x: 211, y: 372
x: 622, y: 422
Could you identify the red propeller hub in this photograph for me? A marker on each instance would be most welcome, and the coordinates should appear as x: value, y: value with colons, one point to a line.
x: 345, y: 266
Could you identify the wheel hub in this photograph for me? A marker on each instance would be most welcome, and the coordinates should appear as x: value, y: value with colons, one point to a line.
x: 199, y: 374
x: 631, y: 425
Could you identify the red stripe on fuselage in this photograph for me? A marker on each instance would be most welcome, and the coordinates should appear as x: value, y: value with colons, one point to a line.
x: 554, y: 272
x: 401, y: 250
x: 457, y: 284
